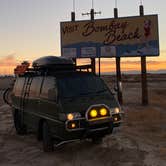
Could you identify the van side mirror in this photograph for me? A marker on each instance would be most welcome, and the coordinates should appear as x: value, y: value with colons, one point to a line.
x: 118, y: 87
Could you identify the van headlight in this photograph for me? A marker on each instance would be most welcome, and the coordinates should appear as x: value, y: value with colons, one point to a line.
x: 93, y: 113
x: 97, y: 113
x: 115, y: 110
x: 103, y: 112
x: 70, y: 116
x: 74, y: 115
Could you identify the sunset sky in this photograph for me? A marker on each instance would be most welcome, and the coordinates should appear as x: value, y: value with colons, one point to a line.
x: 30, y: 29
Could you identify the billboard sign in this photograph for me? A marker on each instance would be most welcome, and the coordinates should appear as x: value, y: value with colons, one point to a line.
x: 121, y: 37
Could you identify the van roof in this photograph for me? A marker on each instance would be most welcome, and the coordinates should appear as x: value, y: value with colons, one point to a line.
x: 47, y: 61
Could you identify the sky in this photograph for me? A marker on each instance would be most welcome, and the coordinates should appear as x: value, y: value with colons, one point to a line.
x: 30, y: 29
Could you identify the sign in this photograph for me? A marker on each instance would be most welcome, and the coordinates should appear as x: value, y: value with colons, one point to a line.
x: 121, y: 37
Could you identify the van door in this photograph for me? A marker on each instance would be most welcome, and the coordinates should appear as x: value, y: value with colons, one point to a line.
x: 31, y: 106
x: 47, y: 106
x: 18, y: 91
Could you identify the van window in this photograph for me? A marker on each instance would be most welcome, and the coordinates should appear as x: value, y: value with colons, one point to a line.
x: 19, y: 86
x: 35, y: 87
x: 80, y: 86
x: 49, y: 90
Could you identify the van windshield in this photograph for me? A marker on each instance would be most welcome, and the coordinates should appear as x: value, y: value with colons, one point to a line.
x: 80, y: 86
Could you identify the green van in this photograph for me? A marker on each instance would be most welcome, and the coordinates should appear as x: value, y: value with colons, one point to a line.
x: 61, y: 104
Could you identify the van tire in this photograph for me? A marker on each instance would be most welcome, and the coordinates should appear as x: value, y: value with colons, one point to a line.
x: 48, y: 145
x: 20, y: 128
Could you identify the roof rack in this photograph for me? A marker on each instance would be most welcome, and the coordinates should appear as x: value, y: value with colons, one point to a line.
x: 84, y: 67
x: 50, y: 64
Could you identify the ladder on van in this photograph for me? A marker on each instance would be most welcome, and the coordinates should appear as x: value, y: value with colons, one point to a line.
x: 24, y: 95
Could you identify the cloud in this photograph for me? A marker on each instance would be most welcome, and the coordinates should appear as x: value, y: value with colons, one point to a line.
x: 8, y: 61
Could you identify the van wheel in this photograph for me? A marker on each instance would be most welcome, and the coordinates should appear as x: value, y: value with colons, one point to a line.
x: 48, y: 145
x: 97, y: 140
x: 20, y: 129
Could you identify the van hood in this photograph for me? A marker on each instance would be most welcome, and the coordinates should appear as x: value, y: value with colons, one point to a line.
x: 82, y: 103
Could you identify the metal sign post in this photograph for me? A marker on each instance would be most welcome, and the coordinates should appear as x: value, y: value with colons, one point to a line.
x: 99, y: 67
x: 73, y: 19
x: 93, y: 61
x: 143, y: 70
x: 118, y: 69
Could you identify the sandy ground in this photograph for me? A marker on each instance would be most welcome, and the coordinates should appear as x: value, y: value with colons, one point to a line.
x: 140, y: 141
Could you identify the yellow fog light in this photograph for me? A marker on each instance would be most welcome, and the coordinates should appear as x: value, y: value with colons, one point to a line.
x: 93, y: 113
x: 70, y: 116
x: 103, y: 112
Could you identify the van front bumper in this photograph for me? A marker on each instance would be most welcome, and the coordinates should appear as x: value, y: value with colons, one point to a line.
x: 85, y: 129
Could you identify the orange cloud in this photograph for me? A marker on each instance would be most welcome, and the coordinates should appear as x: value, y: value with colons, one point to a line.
x: 7, y: 64
x: 8, y: 60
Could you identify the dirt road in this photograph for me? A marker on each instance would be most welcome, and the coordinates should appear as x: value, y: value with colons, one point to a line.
x: 141, y: 141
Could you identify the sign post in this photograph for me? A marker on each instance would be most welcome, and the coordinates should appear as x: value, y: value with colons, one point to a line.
x: 93, y: 61
x: 118, y: 69
x: 143, y: 71
x: 99, y: 66
x: 73, y: 19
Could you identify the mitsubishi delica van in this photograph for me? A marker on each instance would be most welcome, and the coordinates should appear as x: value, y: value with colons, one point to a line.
x: 61, y: 103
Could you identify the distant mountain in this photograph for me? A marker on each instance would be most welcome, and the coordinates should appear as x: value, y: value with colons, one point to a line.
x: 158, y: 71
x: 136, y: 72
